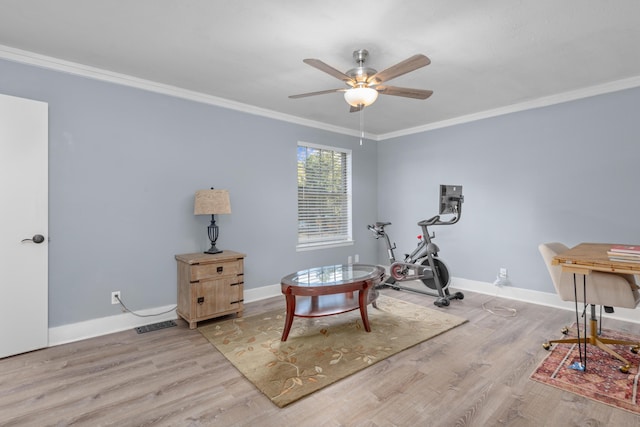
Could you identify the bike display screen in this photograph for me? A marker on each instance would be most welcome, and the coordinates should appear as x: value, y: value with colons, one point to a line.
x: 450, y: 199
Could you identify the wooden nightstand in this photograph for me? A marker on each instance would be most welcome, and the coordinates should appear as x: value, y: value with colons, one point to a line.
x: 210, y: 285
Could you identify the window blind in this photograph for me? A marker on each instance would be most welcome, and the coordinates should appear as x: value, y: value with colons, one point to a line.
x: 324, y: 195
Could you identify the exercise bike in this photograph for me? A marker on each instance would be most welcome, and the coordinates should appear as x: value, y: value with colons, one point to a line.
x: 424, y: 263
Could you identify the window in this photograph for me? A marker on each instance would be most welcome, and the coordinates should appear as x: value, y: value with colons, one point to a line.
x: 324, y: 196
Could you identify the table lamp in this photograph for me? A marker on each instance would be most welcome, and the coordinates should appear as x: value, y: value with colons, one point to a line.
x: 212, y: 202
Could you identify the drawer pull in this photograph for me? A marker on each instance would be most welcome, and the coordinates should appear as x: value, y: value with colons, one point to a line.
x: 219, y: 269
x: 200, y: 300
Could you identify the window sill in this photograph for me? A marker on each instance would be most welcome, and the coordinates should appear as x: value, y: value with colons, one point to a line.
x: 322, y: 245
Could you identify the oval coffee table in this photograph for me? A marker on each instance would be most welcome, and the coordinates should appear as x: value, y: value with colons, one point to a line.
x: 324, y: 291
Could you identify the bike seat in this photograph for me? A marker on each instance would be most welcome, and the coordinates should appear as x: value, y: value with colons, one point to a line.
x: 382, y: 224
x: 430, y: 221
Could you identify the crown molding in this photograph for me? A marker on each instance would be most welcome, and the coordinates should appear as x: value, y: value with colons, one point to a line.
x: 56, y: 64
x: 43, y: 61
x: 545, y: 101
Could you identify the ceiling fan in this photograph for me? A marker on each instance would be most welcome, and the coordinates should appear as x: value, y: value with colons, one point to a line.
x: 366, y: 83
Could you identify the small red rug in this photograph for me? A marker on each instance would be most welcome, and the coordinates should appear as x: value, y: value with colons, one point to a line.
x: 602, y: 380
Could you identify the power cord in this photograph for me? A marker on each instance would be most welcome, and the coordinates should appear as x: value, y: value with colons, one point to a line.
x: 498, y: 310
x: 125, y: 308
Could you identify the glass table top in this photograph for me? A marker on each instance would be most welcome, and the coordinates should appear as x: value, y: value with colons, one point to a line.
x: 332, y: 275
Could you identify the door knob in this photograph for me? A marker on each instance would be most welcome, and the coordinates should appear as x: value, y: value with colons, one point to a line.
x: 38, y: 238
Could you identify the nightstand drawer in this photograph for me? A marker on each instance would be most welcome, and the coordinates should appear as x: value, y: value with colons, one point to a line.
x: 216, y: 270
x: 217, y: 296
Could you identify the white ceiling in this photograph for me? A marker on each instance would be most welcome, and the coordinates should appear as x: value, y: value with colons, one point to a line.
x: 487, y: 56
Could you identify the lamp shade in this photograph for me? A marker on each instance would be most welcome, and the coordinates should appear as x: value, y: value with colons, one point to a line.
x: 360, y: 96
x: 210, y: 202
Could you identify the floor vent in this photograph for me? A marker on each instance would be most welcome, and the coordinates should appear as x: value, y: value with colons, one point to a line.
x: 155, y: 326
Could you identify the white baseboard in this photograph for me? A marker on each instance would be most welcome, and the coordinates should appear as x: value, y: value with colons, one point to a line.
x: 108, y: 325
x: 257, y: 294
x: 121, y: 322
x: 534, y: 297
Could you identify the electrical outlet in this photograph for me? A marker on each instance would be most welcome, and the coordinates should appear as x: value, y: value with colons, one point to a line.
x: 114, y: 297
x: 356, y: 258
x: 503, y: 272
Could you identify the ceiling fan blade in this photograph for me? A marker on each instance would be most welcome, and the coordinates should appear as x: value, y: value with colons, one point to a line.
x: 404, y: 91
x: 410, y: 64
x: 321, y: 92
x: 356, y: 108
x: 316, y: 63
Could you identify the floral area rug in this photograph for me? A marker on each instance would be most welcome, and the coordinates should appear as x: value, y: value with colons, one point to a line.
x: 322, y: 350
x: 602, y: 380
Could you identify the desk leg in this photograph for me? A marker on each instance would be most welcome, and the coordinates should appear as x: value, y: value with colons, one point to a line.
x: 363, y: 299
x: 582, y: 366
x: 291, y: 309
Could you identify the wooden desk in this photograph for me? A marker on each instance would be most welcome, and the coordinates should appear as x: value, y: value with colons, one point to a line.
x: 587, y: 257
x: 584, y: 259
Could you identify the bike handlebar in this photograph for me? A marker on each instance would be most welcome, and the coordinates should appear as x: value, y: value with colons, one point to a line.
x: 435, y: 220
x: 376, y: 229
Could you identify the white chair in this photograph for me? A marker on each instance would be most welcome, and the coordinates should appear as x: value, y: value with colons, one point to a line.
x: 604, y: 289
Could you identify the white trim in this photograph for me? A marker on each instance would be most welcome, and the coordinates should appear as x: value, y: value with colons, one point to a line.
x: 108, y: 325
x: 508, y: 292
x: 534, y: 297
x: 121, y: 322
x: 302, y: 247
x: 264, y: 292
x: 49, y: 62
x: 43, y: 61
x: 325, y: 147
x: 522, y: 106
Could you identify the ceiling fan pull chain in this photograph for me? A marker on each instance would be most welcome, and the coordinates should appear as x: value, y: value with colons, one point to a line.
x: 361, y: 123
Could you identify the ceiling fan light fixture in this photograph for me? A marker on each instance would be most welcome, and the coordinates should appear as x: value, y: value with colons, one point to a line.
x: 360, y: 96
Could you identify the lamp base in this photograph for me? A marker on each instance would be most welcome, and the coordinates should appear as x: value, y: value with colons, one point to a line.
x: 212, y: 232
x: 213, y: 250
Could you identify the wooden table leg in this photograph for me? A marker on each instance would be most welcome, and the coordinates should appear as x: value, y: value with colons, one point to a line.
x: 291, y: 309
x: 363, y: 297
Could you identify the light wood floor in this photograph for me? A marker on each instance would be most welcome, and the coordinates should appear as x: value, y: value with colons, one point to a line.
x: 474, y: 375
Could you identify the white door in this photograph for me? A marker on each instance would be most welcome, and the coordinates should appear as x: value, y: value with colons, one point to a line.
x: 24, y: 324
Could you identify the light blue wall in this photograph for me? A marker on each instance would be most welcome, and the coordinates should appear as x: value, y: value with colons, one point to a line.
x: 568, y: 172
x: 124, y: 166
x: 125, y: 163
